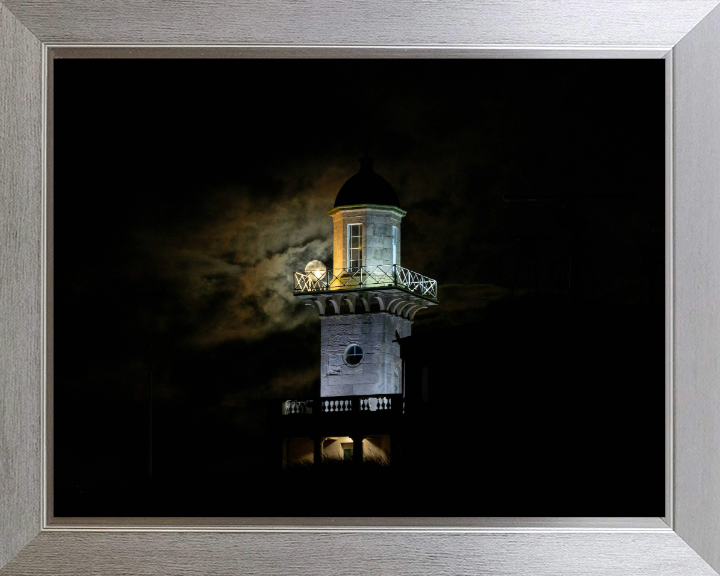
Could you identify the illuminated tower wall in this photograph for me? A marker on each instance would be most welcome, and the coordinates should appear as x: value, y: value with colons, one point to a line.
x: 366, y: 300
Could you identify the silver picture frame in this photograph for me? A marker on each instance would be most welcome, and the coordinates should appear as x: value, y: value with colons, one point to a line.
x: 685, y: 33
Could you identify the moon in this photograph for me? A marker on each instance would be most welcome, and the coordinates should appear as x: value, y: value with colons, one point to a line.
x: 316, y: 268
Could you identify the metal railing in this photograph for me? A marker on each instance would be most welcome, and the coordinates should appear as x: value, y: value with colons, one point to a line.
x: 366, y: 277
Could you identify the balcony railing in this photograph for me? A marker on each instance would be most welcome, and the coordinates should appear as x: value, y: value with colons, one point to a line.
x: 366, y: 277
x: 330, y: 405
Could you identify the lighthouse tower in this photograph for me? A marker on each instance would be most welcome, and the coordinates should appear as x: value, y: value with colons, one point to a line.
x: 367, y: 300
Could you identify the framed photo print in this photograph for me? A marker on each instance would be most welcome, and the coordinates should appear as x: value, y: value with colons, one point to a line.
x: 288, y: 295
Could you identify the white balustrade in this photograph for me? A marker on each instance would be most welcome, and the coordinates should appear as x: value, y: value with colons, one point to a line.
x: 297, y: 407
x: 367, y: 404
x: 343, y: 405
x: 372, y: 404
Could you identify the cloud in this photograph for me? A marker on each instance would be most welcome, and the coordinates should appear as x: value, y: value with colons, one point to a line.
x: 227, y: 261
x: 229, y: 267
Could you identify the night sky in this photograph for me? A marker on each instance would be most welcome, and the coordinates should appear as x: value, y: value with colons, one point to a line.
x: 187, y: 192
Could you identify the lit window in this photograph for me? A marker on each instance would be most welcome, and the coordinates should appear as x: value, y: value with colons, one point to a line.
x: 354, y: 245
x: 353, y: 355
x: 394, y: 244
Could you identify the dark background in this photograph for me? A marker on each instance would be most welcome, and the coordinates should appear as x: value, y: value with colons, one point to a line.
x: 186, y: 192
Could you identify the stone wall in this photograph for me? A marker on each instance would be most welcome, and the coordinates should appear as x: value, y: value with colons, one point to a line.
x: 376, y: 236
x: 379, y: 372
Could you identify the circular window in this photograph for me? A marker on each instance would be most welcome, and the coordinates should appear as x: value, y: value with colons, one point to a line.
x: 353, y: 354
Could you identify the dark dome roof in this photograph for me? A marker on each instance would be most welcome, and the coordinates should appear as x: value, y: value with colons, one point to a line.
x: 367, y: 187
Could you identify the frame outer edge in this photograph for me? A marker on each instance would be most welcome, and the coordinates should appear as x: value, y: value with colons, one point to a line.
x: 20, y: 284
x: 219, y: 554
x: 371, y: 22
x: 697, y: 288
x: 20, y: 233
